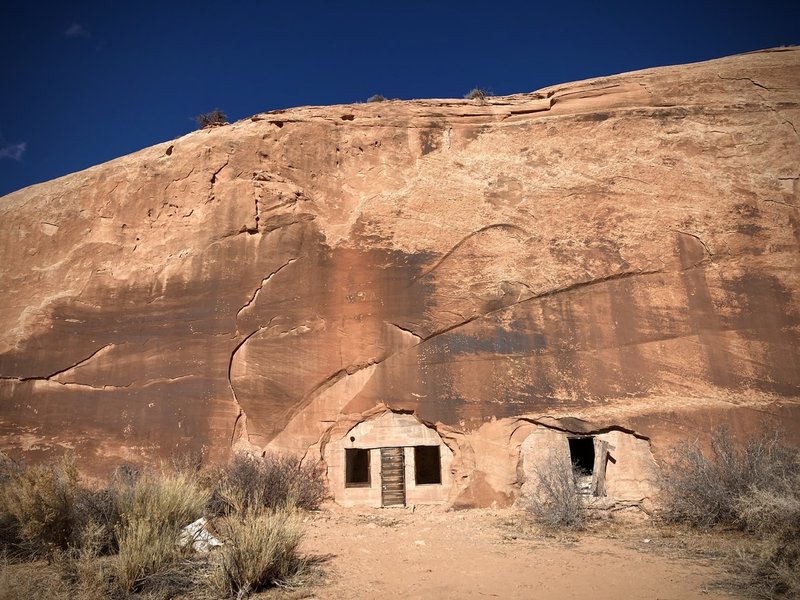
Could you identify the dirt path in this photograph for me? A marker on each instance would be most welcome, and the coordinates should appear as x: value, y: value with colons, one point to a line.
x: 394, y: 553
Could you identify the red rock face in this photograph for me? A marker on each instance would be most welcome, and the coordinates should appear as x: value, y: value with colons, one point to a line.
x: 624, y: 251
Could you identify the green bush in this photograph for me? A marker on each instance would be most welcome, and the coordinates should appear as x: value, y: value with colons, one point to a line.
x: 376, y: 98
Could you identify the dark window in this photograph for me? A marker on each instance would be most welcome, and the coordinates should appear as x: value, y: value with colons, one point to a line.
x: 427, y: 465
x: 581, y: 453
x: 356, y: 467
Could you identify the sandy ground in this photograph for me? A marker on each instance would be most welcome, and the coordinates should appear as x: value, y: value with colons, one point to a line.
x: 397, y: 553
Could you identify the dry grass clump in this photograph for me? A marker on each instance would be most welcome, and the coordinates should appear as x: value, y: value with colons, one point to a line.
x: 556, y: 503
x: 124, y: 540
x: 260, y: 550
x: 33, y: 580
x: 153, y: 511
x: 755, y: 487
x: 272, y: 481
x: 37, y: 508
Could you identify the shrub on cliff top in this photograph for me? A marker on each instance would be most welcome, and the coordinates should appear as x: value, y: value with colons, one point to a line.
x: 215, y: 118
x: 477, y: 93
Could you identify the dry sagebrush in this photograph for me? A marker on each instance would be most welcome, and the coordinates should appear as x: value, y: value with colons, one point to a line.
x: 754, y: 486
x: 555, y: 501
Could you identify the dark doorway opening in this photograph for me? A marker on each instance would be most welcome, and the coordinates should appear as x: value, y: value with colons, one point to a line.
x: 356, y: 467
x: 581, y: 453
x: 427, y: 465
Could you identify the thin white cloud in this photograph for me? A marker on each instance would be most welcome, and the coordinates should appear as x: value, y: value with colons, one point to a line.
x: 76, y: 30
x: 13, y: 151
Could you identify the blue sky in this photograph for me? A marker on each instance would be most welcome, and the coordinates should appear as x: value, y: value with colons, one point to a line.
x: 85, y: 82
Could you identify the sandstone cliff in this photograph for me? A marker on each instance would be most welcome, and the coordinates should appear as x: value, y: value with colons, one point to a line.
x: 623, y: 250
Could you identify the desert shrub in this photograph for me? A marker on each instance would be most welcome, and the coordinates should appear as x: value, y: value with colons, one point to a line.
x: 771, y: 569
x: 755, y: 487
x: 704, y: 489
x: 189, y: 462
x: 37, y: 507
x: 10, y: 535
x: 124, y: 539
x: 272, y: 481
x: 83, y: 569
x: 476, y: 93
x: 555, y: 501
x: 260, y: 550
x: 45, y: 508
x: 96, y: 515
x: 214, y: 118
x: 376, y: 98
x: 153, y: 512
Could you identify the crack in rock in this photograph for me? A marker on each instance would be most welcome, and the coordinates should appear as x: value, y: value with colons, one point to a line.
x: 264, y: 281
x: 213, y: 180
x: 64, y: 370
x: 547, y: 294
x: 699, y: 239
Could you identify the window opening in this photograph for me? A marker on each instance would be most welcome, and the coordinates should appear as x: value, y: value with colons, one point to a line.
x: 427, y: 465
x: 356, y: 467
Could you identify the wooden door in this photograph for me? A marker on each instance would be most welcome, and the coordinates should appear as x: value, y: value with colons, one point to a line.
x: 393, y: 477
x: 601, y: 449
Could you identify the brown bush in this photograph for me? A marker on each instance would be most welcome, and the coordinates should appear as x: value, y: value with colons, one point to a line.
x: 703, y: 489
x: 771, y: 569
x: 556, y: 502
x: 214, y: 118
x: 478, y: 94
x: 260, y: 550
x: 154, y: 510
x: 272, y: 481
x: 755, y: 487
x: 37, y: 507
x: 123, y: 539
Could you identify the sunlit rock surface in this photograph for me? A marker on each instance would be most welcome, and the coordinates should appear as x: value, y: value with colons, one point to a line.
x: 623, y: 252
